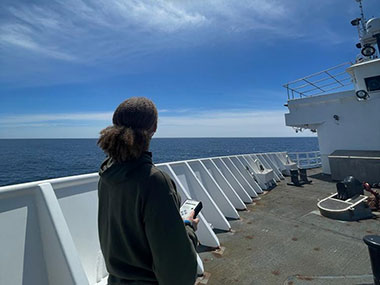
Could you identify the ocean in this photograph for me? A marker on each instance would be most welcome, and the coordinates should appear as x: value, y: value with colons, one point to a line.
x: 25, y: 160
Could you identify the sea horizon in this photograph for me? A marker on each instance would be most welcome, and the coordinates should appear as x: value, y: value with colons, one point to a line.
x: 163, y: 138
x: 32, y: 159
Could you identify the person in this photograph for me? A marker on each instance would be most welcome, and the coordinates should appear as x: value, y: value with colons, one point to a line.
x: 142, y: 235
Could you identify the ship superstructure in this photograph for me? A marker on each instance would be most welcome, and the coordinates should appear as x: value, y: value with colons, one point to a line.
x: 347, y: 120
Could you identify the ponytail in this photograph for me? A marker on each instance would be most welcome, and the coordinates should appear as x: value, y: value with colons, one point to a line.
x: 123, y: 143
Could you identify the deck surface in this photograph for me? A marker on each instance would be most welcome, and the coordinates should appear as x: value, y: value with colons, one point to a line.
x: 282, y: 239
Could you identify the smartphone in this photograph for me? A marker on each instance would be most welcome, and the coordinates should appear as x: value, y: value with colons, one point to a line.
x: 190, y: 205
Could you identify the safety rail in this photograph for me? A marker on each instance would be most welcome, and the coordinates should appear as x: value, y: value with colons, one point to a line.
x: 50, y: 227
x: 311, y: 159
x: 318, y: 83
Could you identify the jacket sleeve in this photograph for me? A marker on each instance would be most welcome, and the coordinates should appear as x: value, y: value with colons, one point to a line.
x: 174, y: 256
x: 192, y: 235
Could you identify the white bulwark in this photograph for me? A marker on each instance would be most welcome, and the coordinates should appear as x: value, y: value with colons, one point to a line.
x: 49, y: 228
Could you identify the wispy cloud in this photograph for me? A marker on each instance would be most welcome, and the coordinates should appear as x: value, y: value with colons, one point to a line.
x: 90, y: 30
x: 64, y: 39
x: 21, y: 36
x: 173, y: 123
x: 87, y: 31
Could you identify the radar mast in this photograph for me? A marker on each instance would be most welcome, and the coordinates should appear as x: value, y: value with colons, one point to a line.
x: 369, y: 34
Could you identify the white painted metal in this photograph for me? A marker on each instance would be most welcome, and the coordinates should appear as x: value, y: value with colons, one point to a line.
x: 264, y: 161
x: 61, y: 232
x: 36, y: 245
x: 343, y: 120
x: 197, y: 192
x: 246, y: 173
x: 310, y: 159
x: 274, y: 165
x: 248, y: 188
x: 265, y: 177
x: 362, y: 70
x: 282, y: 162
x: 205, y: 234
x: 286, y: 162
x: 277, y: 174
x: 200, y: 267
x: 63, y: 265
x: 81, y: 200
x: 232, y: 180
x: 49, y: 228
x: 276, y: 161
x: 355, y: 126
x: 319, y: 83
x: 213, y: 189
x: 21, y: 255
x: 224, y: 184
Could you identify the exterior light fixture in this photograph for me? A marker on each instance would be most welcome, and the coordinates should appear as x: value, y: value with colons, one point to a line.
x: 362, y: 94
x: 368, y: 50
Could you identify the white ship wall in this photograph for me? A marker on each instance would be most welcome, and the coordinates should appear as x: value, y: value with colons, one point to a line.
x: 358, y: 127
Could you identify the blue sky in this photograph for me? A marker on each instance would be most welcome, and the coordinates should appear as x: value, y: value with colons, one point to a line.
x: 214, y: 68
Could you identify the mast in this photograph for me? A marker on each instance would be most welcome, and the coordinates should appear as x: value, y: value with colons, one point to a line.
x: 363, y: 21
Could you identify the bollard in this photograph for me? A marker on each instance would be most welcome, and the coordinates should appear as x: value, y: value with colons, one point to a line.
x: 294, y: 178
x: 303, y: 176
x: 373, y: 243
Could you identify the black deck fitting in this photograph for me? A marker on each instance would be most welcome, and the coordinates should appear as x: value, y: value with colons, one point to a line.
x: 373, y: 243
x: 303, y: 176
x: 294, y: 179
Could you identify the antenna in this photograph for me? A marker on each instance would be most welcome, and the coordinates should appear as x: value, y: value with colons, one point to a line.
x: 362, y: 15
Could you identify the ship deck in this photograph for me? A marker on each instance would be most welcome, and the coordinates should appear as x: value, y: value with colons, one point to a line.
x: 282, y: 239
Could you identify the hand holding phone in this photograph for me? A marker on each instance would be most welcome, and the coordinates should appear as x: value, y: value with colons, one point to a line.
x: 189, y: 211
x: 190, y: 205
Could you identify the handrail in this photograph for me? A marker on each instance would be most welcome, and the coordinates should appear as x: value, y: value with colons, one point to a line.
x: 310, y: 159
x: 300, y: 86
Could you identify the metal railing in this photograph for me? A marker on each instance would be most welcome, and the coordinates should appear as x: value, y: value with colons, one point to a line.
x: 311, y: 159
x: 318, y: 83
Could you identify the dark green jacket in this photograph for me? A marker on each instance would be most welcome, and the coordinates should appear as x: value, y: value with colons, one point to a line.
x: 142, y: 235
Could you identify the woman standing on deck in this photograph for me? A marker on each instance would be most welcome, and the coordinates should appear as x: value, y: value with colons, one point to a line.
x: 142, y: 235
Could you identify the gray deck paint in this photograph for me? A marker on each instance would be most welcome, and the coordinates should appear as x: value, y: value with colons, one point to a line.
x: 282, y: 239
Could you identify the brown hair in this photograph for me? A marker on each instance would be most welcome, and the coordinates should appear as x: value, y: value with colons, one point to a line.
x: 134, y: 123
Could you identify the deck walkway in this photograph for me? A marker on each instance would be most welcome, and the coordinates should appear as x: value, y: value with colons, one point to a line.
x: 282, y: 239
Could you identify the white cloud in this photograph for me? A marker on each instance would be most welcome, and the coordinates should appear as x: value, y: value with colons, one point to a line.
x: 189, y: 123
x: 235, y: 123
x: 76, y: 40
x: 90, y: 31
x: 38, y: 118
x: 22, y: 37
